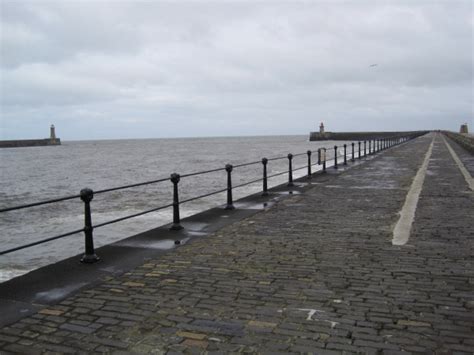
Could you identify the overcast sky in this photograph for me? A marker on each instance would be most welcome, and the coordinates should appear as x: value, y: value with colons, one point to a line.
x: 110, y: 69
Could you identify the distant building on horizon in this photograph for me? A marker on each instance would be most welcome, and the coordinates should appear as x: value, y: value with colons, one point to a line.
x: 464, y: 129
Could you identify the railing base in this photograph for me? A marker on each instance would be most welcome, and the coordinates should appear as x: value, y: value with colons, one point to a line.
x: 176, y: 227
x: 89, y: 259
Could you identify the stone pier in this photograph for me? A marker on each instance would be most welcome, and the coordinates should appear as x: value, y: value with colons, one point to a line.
x: 314, y: 273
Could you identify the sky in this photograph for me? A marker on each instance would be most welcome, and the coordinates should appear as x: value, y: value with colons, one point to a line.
x: 152, y: 69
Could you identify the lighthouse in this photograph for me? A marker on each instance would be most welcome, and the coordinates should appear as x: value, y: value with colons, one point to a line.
x: 321, y: 129
x: 52, y: 135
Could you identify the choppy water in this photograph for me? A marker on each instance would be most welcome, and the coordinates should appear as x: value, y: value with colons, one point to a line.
x: 37, y: 173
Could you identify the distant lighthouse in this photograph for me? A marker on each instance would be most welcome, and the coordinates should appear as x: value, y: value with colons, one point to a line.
x: 52, y: 134
x: 321, y: 129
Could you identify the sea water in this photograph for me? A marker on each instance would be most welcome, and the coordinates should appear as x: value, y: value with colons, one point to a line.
x: 33, y: 174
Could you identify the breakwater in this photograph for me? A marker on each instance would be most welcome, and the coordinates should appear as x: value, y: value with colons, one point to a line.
x: 359, y: 136
x: 19, y: 143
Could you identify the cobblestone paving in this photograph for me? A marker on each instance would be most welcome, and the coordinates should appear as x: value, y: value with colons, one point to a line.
x: 316, y: 273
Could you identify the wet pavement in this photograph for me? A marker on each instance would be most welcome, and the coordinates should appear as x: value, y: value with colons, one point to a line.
x: 314, y: 271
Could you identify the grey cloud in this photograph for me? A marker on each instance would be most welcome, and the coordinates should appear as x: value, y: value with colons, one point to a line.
x: 143, y: 68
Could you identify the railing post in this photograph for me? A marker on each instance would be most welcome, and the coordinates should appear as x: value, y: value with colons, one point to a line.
x: 290, y: 170
x: 89, y: 257
x: 176, y: 220
x: 335, y: 157
x: 359, y: 151
x: 365, y: 149
x: 324, y: 159
x: 353, y: 151
x: 265, y: 186
x: 230, y: 204
x: 345, y: 154
x: 309, y: 163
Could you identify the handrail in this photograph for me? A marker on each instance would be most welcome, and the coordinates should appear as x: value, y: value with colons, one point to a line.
x: 61, y: 199
x: 130, y: 186
x: 132, y: 216
x: 86, y: 195
x: 41, y: 241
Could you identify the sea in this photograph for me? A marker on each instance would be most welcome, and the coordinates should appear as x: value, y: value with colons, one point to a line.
x: 34, y: 174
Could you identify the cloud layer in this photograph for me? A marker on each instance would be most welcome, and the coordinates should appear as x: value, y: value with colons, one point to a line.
x: 161, y: 69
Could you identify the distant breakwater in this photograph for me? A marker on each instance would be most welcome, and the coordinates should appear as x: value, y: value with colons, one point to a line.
x: 29, y: 143
x: 357, y: 136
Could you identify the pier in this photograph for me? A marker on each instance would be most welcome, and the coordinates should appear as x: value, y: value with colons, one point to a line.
x: 314, y: 266
x: 21, y: 143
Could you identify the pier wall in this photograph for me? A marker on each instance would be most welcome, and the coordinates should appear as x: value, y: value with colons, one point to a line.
x: 463, y: 139
x: 29, y: 143
x: 350, y: 136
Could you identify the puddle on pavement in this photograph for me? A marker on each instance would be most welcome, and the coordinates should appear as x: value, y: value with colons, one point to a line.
x: 372, y: 187
x: 252, y: 205
x: 164, y: 244
x: 57, y: 293
x: 289, y: 193
x: 195, y: 226
x: 301, y: 184
x: 196, y: 234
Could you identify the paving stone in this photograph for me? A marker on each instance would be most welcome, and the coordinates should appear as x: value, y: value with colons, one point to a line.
x: 190, y: 335
x: 76, y: 328
x: 8, y: 338
x: 51, y: 312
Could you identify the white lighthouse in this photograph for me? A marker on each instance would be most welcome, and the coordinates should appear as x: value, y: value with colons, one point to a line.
x: 321, y: 129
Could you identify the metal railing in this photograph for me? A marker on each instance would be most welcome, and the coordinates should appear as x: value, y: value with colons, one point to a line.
x: 86, y: 195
